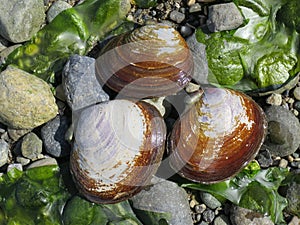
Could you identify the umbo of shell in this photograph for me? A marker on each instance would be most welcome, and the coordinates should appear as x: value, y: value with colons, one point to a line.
x: 119, y: 144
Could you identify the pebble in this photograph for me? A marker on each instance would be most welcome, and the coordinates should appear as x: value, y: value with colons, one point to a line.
x: 295, y: 221
x: 221, y: 220
x: 17, y: 166
x: 283, y: 163
x: 22, y: 160
x: 200, y: 208
x: 195, y: 8
x: 4, y: 150
x: 225, y: 16
x: 274, y: 99
x: 36, y: 103
x: 264, y: 158
x: 80, y: 83
x: 165, y: 196
x: 296, y: 93
x: 31, y: 146
x: 20, y: 20
x: 208, y: 215
x: 176, y: 16
x: 43, y: 162
x: 293, y: 198
x: 16, y: 134
x: 283, y: 136
x: 209, y: 200
x: 185, y: 31
x: 53, y: 136
x: 242, y: 216
x: 297, y: 105
x: 56, y: 8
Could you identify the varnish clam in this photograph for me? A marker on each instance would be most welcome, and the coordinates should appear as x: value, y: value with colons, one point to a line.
x: 153, y: 60
x: 217, y: 136
x: 118, y: 147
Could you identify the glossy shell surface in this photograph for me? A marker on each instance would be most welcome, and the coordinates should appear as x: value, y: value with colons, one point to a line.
x: 153, y: 60
x: 118, y: 147
x: 219, y: 135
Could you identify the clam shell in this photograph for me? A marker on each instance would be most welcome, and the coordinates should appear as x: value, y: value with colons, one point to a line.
x: 118, y: 147
x: 219, y: 135
x: 151, y: 61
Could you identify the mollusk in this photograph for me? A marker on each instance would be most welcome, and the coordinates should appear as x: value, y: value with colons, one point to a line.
x: 217, y: 136
x: 118, y: 147
x: 153, y: 60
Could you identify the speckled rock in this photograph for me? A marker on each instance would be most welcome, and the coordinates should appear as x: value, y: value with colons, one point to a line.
x: 242, y: 216
x: 31, y: 146
x: 53, y: 136
x: 293, y: 197
x: 165, y: 196
x: 80, y: 83
x: 209, y: 200
x: 35, y: 101
x: 224, y: 17
x: 56, y: 8
x: 4, y: 148
x: 20, y: 19
x: 283, y: 131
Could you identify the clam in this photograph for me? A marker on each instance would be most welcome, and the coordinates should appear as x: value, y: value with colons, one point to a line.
x: 217, y: 136
x: 151, y: 61
x: 118, y: 146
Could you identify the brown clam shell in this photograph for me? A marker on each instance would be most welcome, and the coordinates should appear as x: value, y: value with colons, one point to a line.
x: 219, y: 135
x: 118, y: 147
x: 153, y: 60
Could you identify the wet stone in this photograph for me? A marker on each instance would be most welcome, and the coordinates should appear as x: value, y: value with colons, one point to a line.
x: 208, y: 215
x: 4, y: 149
x: 80, y: 83
x: 209, y: 200
x: 31, y: 146
x: 20, y: 20
x: 165, y: 196
x: 53, y: 136
x: 264, y: 159
x: 224, y: 17
x: 283, y: 131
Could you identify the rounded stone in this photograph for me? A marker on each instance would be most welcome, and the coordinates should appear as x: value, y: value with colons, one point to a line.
x: 35, y: 101
x: 4, y: 149
x: 20, y: 19
x: 31, y: 146
x: 296, y: 93
x: 53, y: 135
x: 56, y: 8
x: 283, y: 131
x: 209, y: 200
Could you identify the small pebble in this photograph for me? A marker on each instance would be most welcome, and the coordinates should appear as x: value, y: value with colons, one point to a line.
x: 297, y: 105
x: 31, y: 146
x: 283, y: 163
x: 43, y: 162
x: 195, y: 8
x: 200, y: 208
x: 209, y: 200
x: 16, y: 134
x: 18, y: 166
x: 296, y: 93
x: 176, y: 16
x: 274, y: 99
x: 221, y: 220
x: 208, y: 215
x: 22, y: 160
x: 186, y: 31
x: 264, y: 159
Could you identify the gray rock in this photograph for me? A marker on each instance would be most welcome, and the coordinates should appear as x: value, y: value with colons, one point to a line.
x: 200, y: 61
x: 176, y: 16
x: 165, y: 196
x: 195, y: 8
x: 221, y: 220
x: 22, y: 160
x: 17, y: 166
x: 20, y: 20
x: 56, y: 8
x: 80, y: 83
x: 16, y: 134
x: 224, y: 17
x: 283, y: 131
x: 208, y: 215
x: 293, y: 197
x: 35, y: 101
x: 31, y: 146
x: 209, y: 200
x: 53, y: 136
x: 296, y: 93
x: 242, y: 216
x: 43, y: 162
x: 4, y: 149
